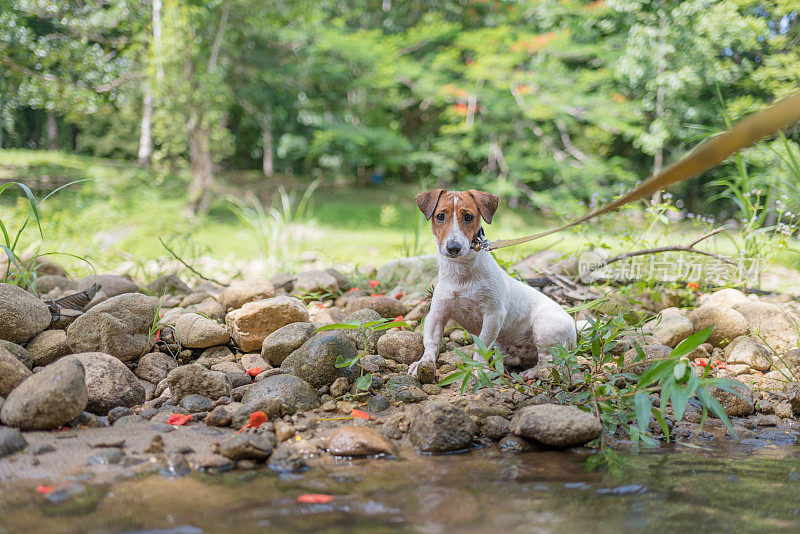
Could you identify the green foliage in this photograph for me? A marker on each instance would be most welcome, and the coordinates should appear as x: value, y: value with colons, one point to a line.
x: 364, y: 330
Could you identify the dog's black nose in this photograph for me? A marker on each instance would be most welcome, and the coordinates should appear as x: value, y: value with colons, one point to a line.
x: 453, y: 248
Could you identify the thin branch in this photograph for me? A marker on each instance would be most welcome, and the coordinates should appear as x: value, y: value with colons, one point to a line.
x: 212, y: 60
x: 192, y: 269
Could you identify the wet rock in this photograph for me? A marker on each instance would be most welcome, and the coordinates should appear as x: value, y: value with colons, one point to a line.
x: 107, y: 457
x: 287, y: 459
x: 290, y: 389
x: 651, y: 352
x: 496, y: 427
x: 240, y: 293
x: 22, y: 315
x: 410, y: 395
x: 194, y: 378
x: 253, y: 322
x: 403, y: 346
x: 209, y: 308
x: 194, y: 403
x: 111, y: 285
x: 793, y: 396
x: 747, y: 350
x: 256, y: 446
x: 285, y: 340
x: 284, y: 431
x: 728, y: 323
x: 87, y: 420
x: 315, y: 361
x: 671, y: 328
x: 775, y: 323
x: 11, y: 441
x: 47, y: 347
x: 339, y: 387
x: 358, y: 441
x: 555, y: 425
x: 18, y: 352
x: 378, y: 403
x: 739, y: 404
x: 118, y: 412
x: 439, y: 426
x: 120, y: 326
x: 155, y: 366
x: 216, y: 355
x: 197, y: 332
x: 177, y: 465
x: 129, y: 420
x: 426, y: 373
x: 219, y: 416
x: 109, y: 383
x: 784, y: 410
x: 315, y: 282
x: 12, y: 372
x: 387, y: 307
x: 512, y: 443
x: 168, y: 284
x: 48, y: 399
x: 272, y: 408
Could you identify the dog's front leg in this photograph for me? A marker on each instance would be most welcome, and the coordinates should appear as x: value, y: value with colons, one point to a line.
x: 492, y: 324
x: 432, y: 335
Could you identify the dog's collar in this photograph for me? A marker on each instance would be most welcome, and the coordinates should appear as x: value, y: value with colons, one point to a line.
x: 479, y: 242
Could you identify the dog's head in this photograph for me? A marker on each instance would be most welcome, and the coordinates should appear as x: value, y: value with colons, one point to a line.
x: 456, y: 217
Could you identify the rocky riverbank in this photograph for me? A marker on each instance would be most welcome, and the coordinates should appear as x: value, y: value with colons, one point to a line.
x: 164, y: 377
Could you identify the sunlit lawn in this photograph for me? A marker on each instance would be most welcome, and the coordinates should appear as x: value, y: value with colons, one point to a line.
x: 116, y: 216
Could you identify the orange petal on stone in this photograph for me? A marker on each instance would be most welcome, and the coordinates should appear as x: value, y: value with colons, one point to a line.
x: 44, y: 490
x: 178, y: 419
x: 256, y: 420
x: 359, y: 414
x: 315, y: 498
x: 254, y: 371
x: 374, y: 283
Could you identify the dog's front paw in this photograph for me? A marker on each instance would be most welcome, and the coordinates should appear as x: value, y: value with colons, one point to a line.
x: 414, y: 368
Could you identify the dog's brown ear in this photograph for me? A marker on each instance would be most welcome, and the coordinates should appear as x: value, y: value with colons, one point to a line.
x: 487, y: 204
x: 427, y: 201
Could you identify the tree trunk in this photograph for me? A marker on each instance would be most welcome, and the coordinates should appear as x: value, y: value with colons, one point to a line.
x: 266, y: 139
x: 146, y: 131
x: 52, y: 131
x: 202, y: 165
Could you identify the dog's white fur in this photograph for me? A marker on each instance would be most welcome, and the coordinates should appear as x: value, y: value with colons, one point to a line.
x: 503, y: 312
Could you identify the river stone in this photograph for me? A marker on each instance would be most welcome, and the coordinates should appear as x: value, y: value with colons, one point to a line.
x: 253, y: 322
x: 793, y: 396
x: 651, y: 352
x: 438, y: 426
x: 672, y: 328
x: 776, y: 324
x: 740, y: 405
x: 290, y: 389
x: 403, y: 346
x: 48, y: 282
x: 358, y: 441
x: 365, y: 315
x: 241, y: 292
x: 109, y: 383
x: 496, y: 427
x: 272, y: 408
x: 285, y: 340
x: 555, y: 425
x: 194, y: 331
x: 47, y: 347
x: 168, y: 284
x: 387, y: 307
x: 48, y: 399
x: 194, y: 378
x: 209, y: 308
x: 22, y: 315
x: 120, y: 326
x: 18, y: 351
x: 415, y: 271
x: 315, y: 282
x: 728, y: 323
x: 789, y: 362
x: 248, y: 446
x: 155, y: 366
x: 726, y: 298
x: 11, y: 441
x: 216, y: 355
x: 749, y: 351
x: 12, y: 372
x: 194, y: 403
x: 110, y: 285
x: 315, y: 361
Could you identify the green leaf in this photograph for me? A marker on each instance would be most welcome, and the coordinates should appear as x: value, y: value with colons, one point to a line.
x: 690, y: 343
x: 679, y: 396
x: 661, y: 422
x: 643, y: 404
x: 364, y: 382
x: 679, y: 371
x: 338, y: 326
x: 453, y: 377
x: 715, y: 407
x: 391, y: 324
x: 655, y: 373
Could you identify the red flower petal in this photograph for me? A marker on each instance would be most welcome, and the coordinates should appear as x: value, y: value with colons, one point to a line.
x: 256, y: 420
x: 315, y: 498
x: 254, y: 371
x: 359, y: 414
x: 374, y: 283
x: 352, y: 289
x: 44, y: 490
x: 397, y: 319
x: 398, y: 296
x: 178, y: 419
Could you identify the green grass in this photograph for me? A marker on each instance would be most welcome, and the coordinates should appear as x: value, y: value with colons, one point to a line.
x: 116, y: 217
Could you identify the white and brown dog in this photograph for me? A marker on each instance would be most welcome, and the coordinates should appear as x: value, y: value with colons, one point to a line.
x: 477, y: 293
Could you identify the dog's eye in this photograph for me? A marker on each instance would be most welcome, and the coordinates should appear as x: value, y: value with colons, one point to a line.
x: 440, y: 217
x: 468, y: 217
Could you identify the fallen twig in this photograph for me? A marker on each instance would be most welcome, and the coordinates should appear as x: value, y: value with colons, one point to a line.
x: 195, y: 271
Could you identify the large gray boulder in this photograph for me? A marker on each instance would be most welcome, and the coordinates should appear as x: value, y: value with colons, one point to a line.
x: 49, y: 399
x: 47, y: 347
x: 290, y: 389
x: 12, y: 372
x: 109, y: 383
x: 285, y: 340
x: 22, y: 315
x: 315, y: 361
x: 439, y: 426
x: 195, y: 378
x: 194, y: 331
x: 555, y: 425
x: 120, y: 326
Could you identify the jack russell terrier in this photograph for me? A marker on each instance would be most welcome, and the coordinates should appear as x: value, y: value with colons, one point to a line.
x: 477, y: 293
